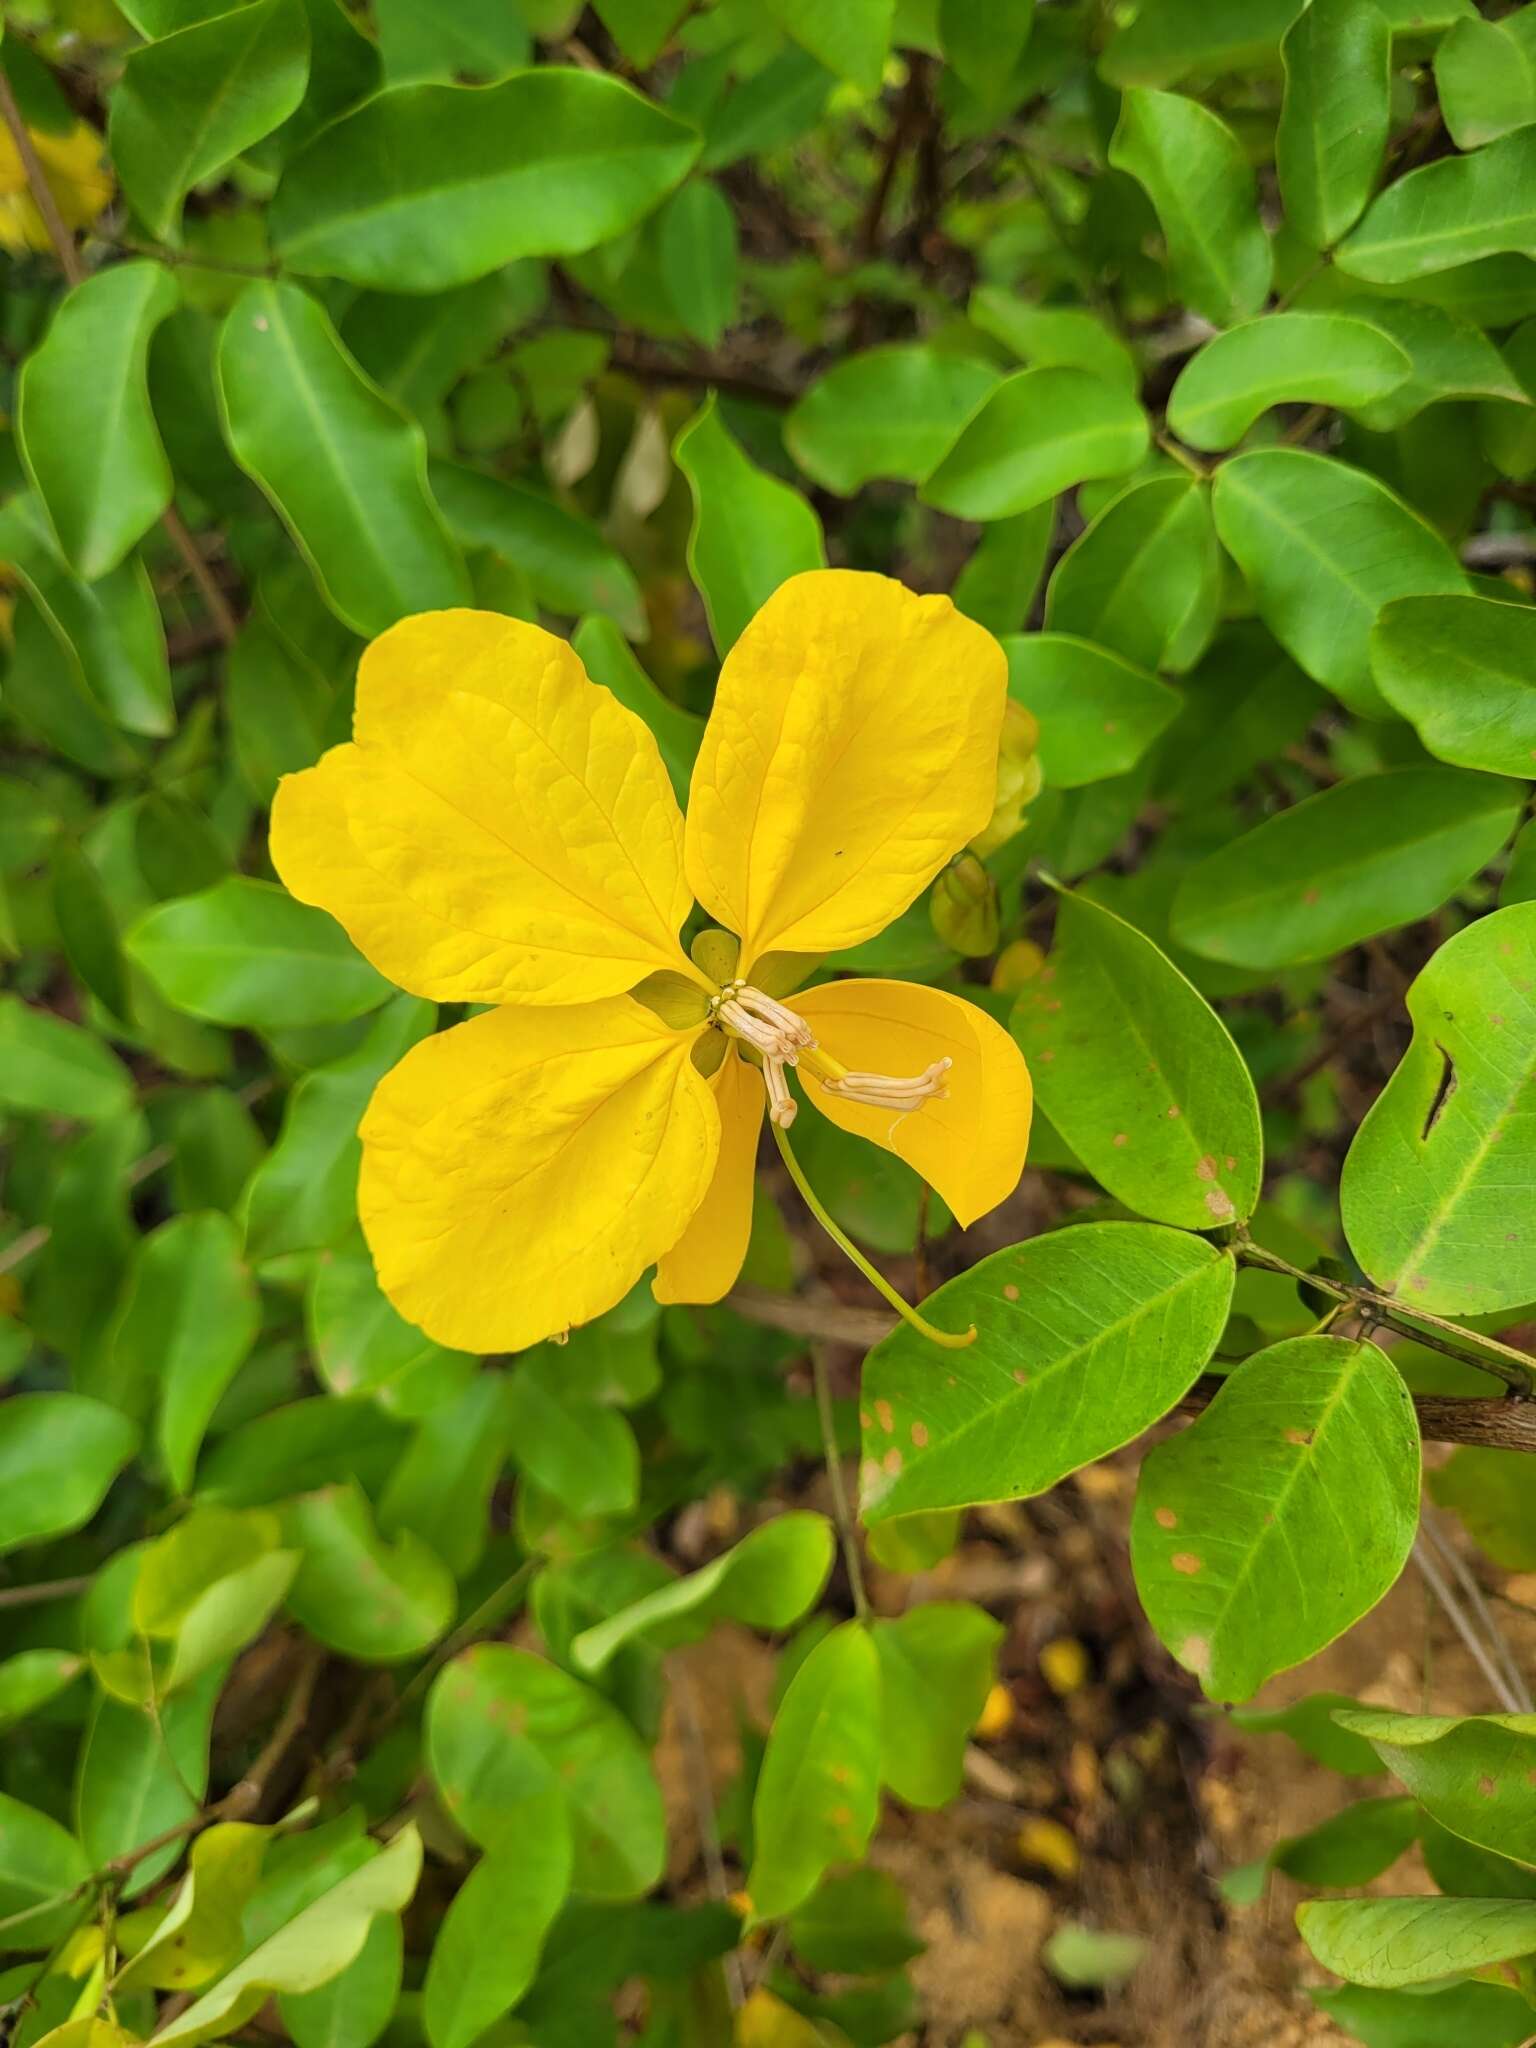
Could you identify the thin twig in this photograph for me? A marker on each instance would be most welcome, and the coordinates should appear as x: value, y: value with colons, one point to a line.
x: 1445, y: 1593
x: 701, y: 1793
x: 1466, y: 1578
x: 49, y: 1589
x: 842, y: 1509
x: 214, y: 600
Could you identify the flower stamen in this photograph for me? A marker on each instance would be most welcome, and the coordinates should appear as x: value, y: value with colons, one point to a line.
x: 782, y: 1106
x: 889, y: 1091
x: 772, y: 1029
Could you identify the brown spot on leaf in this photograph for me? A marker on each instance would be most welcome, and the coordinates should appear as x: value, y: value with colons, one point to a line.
x: 1487, y: 1787
x: 885, y: 1416
x: 1185, y: 1561
x: 1173, y: 1112
x: 1010, y: 1291
x: 1196, y: 1654
x: 1165, y: 1518
x: 1298, y: 1436
x: 1206, y: 1170
x: 1219, y: 1202
x: 892, y: 1461
x: 1122, y: 1138
x: 1021, y: 1375
x: 1309, y: 897
x: 920, y: 1435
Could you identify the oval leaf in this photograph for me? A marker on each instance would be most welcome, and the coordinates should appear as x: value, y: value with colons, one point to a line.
x: 1462, y: 671
x: 1324, y: 547
x: 890, y: 412
x: 1437, y: 1187
x: 1281, y: 1515
x: 1086, y: 1337
x: 1145, y: 578
x: 1477, y: 1776
x: 427, y: 186
x: 58, y: 1455
x: 1386, y: 1943
x: 1139, y: 1074
x: 1036, y: 434
x: 1098, y: 715
x: 1356, y: 859
x: 1451, y: 212
x: 1334, y: 117
x: 1285, y: 358
x: 345, y: 468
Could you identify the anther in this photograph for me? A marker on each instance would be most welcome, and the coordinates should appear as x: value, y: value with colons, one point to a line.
x: 888, y: 1091
x: 782, y: 1106
x: 775, y: 1031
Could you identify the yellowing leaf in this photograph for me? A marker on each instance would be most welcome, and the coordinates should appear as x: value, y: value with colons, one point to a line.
x: 201, y: 1934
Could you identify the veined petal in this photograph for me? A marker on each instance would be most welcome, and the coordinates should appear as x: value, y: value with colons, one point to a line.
x: 968, y: 1143
x: 704, y: 1263
x: 851, y: 751
x: 522, y: 1170
x: 503, y: 830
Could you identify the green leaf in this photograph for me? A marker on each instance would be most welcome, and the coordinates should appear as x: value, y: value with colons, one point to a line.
x: 1311, y: 1725
x: 278, y: 706
x: 343, y: 466
x: 1194, y: 171
x: 1163, y: 43
x: 1450, y: 359
x: 856, y: 1924
x: 315, y: 1945
x: 1324, y: 547
x: 362, y: 1345
x: 1281, y: 1515
x: 1476, y: 2015
x: 471, y: 42
x: 641, y: 28
x: 1449, y: 213
x: 983, y: 40
x: 1485, y: 78
x: 609, y: 660
x: 584, y: 1456
x: 1435, y: 1185
x: 1087, y: 1337
x: 488, y: 1946
x: 1053, y: 337
x: 499, y: 1720
x: 52, y: 1068
x: 200, y: 1936
x: 40, y: 1863
x: 1334, y: 117
x: 1035, y: 435
x: 376, y: 1601
x: 142, y: 1774
x: 818, y: 1793
x: 1476, y: 1776
x: 889, y: 412
x: 88, y: 929
x: 304, y: 1193
x: 1352, y: 1847
x: 1491, y: 1491
x: 1283, y: 358
x: 31, y: 1678
x: 353, y: 2009
x: 306, y: 1444
x: 570, y: 565
x: 749, y: 533
x: 1144, y: 579
x: 194, y: 100
x: 187, y: 1324
x: 1092, y: 1958
x: 997, y: 586
x: 1356, y: 859
x: 937, y: 1665
x: 86, y: 432
x: 772, y: 107
x: 248, y: 953
x: 852, y: 39
x: 1098, y: 714
x: 767, y: 1581
x: 700, y: 258
x: 58, y: 1455
x: 441, y: 1488
x: 1386, y: 1943
x: 1139, y: 1074
x: 1462, y: 671
x: 427, y: 186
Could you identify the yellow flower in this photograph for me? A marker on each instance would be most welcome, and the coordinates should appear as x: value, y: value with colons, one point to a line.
x: 502, y: 831
x: 77, y: 176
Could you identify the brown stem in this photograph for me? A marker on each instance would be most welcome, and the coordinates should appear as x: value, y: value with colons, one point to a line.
x: 1500, y: 1424
x: 225, y: 623
x: 842, y: 1508
x: 37, y: 184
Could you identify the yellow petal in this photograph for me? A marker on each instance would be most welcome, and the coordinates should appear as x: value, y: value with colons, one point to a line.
x: 705, y: 1261
x: 522, y: 1170
x: 969, y: 1143
x: 851, y: 751
x: 502, y: 831
x: 76, y: 173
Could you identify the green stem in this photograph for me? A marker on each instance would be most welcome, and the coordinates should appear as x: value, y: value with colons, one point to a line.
x: 842, y: 1511
x: 845, y: 1244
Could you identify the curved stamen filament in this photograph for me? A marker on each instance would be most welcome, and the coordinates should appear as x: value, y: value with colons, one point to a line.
x: 774, y: 1030
x: 949, y: 1339
x: 782, y: 1106
x: 888, y: 1091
